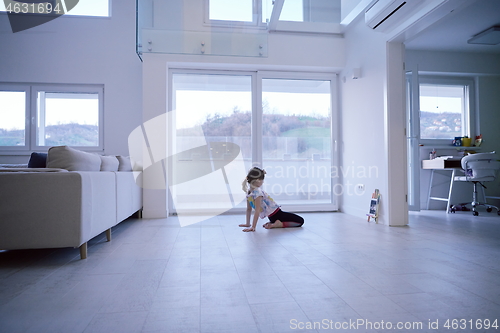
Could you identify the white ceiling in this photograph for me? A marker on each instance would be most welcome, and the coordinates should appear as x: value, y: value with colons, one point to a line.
x: 452, y: 32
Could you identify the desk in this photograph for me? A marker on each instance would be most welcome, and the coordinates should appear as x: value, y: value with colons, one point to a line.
x: 453, y: 166
x: 438, y: 164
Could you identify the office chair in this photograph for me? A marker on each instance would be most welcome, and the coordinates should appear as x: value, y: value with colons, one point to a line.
x: 478, y: 168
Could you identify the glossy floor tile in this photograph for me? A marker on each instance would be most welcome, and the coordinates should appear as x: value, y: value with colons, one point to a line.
x: 336, y: 273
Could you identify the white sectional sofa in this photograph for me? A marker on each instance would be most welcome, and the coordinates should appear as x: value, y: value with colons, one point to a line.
x: 56, y: 207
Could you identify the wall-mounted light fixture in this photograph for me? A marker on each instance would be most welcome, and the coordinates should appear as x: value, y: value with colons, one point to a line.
x: 490, y: 36
x: 356, y: 73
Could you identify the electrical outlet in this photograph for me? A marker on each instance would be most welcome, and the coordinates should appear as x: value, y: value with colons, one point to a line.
x: 360, y: 187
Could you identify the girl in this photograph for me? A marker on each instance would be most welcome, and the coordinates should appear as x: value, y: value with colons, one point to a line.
x: 264, y: 205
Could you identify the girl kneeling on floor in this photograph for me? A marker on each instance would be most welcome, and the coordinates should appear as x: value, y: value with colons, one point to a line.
x: 264, y: 205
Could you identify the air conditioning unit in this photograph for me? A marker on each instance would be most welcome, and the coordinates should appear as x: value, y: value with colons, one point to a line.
x: 385, y: 15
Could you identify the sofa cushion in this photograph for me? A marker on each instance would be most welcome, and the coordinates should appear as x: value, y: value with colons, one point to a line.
x: 109, y: 163
x: 125, y: 164
x: 37, y: 160
x: 65, y: 157
x: 32, y: 170
x: 23, y: 165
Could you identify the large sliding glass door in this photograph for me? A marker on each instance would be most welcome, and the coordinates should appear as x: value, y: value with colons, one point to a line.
x: 231, y: 121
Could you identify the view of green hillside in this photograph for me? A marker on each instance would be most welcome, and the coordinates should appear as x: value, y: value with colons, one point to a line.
x: 445, y: 125
x: 11, y: 137
x: 312, y: 134
x: 56, y: 135
x: 239, y: 124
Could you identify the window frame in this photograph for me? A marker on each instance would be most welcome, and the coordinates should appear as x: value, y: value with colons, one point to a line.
x: 27, y: 134
x: 31, y: 113
x: 470, y: 122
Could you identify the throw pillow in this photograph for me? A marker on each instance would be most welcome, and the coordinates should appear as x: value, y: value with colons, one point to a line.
x: 109, y: 163
x: 124, y: 163
x: 37, y: 160
x: 64, y: 157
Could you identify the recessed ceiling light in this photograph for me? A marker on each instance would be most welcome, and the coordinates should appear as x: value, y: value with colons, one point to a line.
x: 490, y: 36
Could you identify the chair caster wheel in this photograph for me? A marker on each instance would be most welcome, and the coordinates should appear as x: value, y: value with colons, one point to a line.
x: 475, y: 213
x: 489, y: 209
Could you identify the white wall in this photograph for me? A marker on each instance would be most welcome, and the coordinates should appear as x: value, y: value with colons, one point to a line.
x: 485, y: 68
x: 489, y: 122
x: 362, y: 117
x: 82, y: 50
x: 285, y: 52
x: 453, y: 62
x: 372, y: 124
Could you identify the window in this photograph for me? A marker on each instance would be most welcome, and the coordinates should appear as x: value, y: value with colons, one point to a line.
x: 292, y: 10
x: 82, y: 8
x: 280, y: 121
x: 325, y: 11
x: 247, y: 11
x: 259, y: 12
x: 35, y: 117
x: 230, y: 12
x: 445, y: 108
x: 67, y: 119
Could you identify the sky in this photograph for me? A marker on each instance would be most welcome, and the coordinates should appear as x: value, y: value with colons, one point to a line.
x: 65, y: 111
x: 193, y: 106
x: 441, y: 104
x: 441, y: 98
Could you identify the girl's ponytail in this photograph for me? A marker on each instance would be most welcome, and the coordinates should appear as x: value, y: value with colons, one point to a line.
x: 244, y: 185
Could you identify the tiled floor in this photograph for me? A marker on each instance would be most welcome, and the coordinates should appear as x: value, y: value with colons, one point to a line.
x: 337, y: 270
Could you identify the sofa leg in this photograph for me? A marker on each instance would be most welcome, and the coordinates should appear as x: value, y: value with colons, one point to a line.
x: 83, y: 251
x: 108, y: 235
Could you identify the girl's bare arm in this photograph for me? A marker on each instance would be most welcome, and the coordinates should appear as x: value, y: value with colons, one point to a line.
x: 249, y: 213
x: 255, y: 214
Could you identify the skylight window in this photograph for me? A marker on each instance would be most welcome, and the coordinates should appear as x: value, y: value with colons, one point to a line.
x: 230, y: 10
x: 259, y: 12
x: 293, y: 10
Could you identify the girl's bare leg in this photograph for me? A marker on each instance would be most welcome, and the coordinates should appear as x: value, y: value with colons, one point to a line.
x: 276, y: 224
x: 244, y: 225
